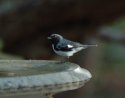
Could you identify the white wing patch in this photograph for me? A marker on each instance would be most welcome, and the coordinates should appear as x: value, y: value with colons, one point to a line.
x: 69, y: 46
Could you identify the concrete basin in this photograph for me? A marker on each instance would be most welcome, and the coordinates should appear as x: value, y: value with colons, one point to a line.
x: 28, y: 78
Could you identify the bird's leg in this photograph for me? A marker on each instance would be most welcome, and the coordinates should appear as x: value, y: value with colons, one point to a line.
x: 64, y: 60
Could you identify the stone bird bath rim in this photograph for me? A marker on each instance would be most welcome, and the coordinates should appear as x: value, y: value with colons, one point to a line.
x: 28, y: 77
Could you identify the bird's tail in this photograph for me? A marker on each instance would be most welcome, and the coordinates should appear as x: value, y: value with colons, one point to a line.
x: 87, y: 46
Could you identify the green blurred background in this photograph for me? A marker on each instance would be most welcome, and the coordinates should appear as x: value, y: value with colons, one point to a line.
x: 25, y: 25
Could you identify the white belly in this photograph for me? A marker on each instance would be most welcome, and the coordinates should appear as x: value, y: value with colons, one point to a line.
x: 67, y: 54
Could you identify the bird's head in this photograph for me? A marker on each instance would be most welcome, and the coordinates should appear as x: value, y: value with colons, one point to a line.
x: 55, y: 38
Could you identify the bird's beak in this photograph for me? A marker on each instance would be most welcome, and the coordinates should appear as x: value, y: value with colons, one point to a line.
x: 48, y: 37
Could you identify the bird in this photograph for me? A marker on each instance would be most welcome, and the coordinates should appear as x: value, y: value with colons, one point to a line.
x: 65, y: 47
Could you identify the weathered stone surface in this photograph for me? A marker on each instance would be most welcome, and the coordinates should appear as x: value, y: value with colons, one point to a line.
x: 25, y: 77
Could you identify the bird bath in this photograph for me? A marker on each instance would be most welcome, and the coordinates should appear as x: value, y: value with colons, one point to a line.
x: 29, y: 78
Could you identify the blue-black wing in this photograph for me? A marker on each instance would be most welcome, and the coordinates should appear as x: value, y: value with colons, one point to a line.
x: 63, y: 47
x: 67, y: 45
